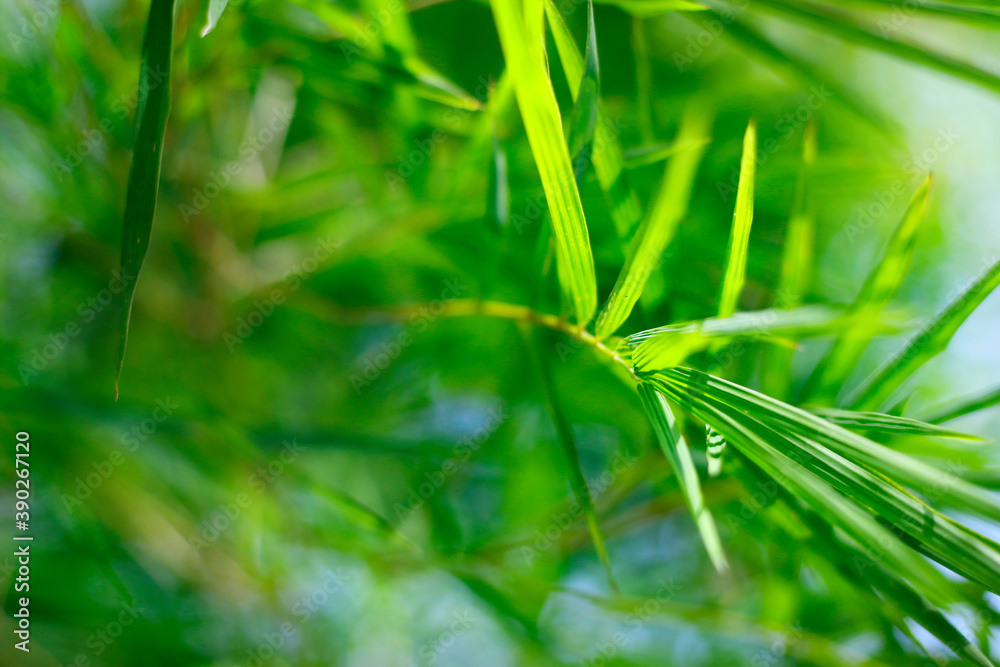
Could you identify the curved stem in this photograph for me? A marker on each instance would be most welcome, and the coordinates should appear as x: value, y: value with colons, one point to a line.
x: 478, y: 307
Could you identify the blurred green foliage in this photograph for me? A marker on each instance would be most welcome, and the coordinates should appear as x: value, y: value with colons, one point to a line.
x: 358, y: 424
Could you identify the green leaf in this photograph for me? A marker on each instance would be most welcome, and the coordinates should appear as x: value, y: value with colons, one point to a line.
x: 852, y: 31
x: 212, y: 13
x: 524, y: 53
x: 679, y: 455
x: 144, y: 173
x: 736, y: 255
x: 928, y: 342
x: 607, y: 153
x: 669, y: 208
x: 583, y: 122
x: 964, y: 406
x: 874, y: 422
x: 879, y: 288
x: 641, y: 156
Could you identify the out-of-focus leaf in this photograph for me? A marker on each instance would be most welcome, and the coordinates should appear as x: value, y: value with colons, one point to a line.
x: 845, y: 28
x: 583, y: 122
x: 736, y: 254
x: 874, y: 422
x: 144, y: 174
x: 498, y: 203
x: 524, y: 53
x: 607, y: 154
x: 927, y: 343
x: 658, y: 229
x: 679, y: 455
x: 879, y: 288
x: 641, y: 156
x: 796, y: 267
x: 964, y: 407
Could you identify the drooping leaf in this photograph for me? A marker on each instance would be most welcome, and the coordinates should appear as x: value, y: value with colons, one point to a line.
x: 736, y: 254
x: 144, y: 173
x: 874, y: 422
x: 607, y: 153
x: 879, y: 288
x: 932, y: 338
x: 658, y: 229
x: 786, y: 467
x: 858, y: 468
x: 676, y: 449
x: 524, y: 53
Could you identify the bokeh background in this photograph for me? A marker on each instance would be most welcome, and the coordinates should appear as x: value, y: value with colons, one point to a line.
x: 290, y: 477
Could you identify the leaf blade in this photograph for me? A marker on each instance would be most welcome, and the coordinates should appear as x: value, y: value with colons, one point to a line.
x: 736, y: 254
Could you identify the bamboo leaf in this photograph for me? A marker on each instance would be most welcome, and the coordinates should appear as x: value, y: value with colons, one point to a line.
x: 656, y: 232
x: 607, y: 153
x: 523, y: 51
x: 736, y: 255
x: 676, y: 449
x: 879, y: 288
x: 144, y: 173
x: 874, y: 422
x: 926, y: 344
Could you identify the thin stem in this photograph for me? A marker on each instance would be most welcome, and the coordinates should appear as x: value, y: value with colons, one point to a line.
x: 473, y: 308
